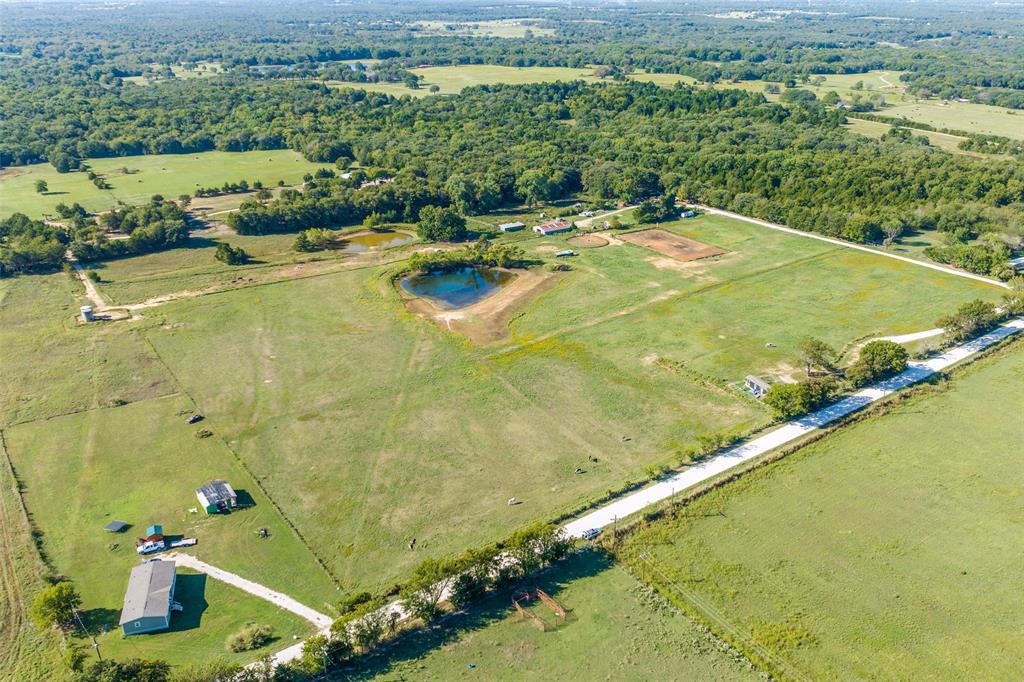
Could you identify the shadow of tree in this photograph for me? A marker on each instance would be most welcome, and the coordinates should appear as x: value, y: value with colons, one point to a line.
x: 497, y: 607
x: 100, y: 620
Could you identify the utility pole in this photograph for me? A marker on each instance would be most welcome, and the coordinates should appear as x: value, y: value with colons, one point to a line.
x: 95, y: 644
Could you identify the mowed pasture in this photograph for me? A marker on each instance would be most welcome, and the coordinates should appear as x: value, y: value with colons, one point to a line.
x: 967, y: 116
x: 889, y: 549
x: 621, y: 630
x: 141, y: 463
x: 451, y: 80
x: 167, y: 174
x: 370, y: 425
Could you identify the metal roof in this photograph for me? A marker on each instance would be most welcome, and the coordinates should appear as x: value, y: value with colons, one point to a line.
x: 757, y: 381
x: 115, y: 526
x: 149, y: 591
x: 214, y: 492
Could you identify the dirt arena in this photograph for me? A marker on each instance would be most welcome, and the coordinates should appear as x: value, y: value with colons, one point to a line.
x: 587, y: 241
x: 672, y: 245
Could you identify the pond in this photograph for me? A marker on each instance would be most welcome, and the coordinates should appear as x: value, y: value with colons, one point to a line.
x: 457, y: 288
x: 376, y: 240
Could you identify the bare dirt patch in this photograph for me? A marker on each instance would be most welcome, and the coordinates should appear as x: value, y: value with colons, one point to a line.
x: 12, y: 173
x: 588, y: 241
x: 672, y: 245
x: 486, y: 321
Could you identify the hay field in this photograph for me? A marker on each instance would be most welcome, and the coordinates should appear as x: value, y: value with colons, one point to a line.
x: 889, y: 549
x: 166, y: 174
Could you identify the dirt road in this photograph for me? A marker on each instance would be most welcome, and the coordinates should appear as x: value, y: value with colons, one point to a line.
x: 320, y: 620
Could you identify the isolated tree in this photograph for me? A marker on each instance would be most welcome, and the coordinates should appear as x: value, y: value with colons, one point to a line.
x: 55, y: 605
x: 817, y: 353
x: 439, y: 224
x: 42, y: 187
x: 877, y: 359
x: 232, y: 255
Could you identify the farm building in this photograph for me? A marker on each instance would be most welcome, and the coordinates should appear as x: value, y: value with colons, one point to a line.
x: 116, y: 527
x: 688, y: 214
x: 149, y: 598
x: 756, y: 385
x: 552, y: 227
x: 1017, y: 263
x: 154, y: 532
x: 511, y: 227
x: 217, y: 497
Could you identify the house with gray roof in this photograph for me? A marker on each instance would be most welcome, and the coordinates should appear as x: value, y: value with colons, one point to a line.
x: 149, y: 599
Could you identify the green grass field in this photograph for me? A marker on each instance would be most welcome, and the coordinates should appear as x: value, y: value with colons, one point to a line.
x: 498, y: 28
x: 140, y: 463
x: 942, y: 141
x: 968, y: 116
x: 889, y: 549
x: 621, y: 631
x: 166, y: 174
x: 578, y: 375
x: 452, y: 79
x: 368, y: 425
x: 25, y: 652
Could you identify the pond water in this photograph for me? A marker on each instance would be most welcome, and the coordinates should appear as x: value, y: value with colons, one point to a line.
x: 375, y: 240
x: 458, y: 288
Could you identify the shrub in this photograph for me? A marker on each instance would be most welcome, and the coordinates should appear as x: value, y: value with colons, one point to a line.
x: 250, y: 637
x: 969, y: 319
x: 793, y: 400
x: 313, y: 239
x: 441, y: 225
x: 94, y: 276
x: 232, y: 255
x: 877, y: 359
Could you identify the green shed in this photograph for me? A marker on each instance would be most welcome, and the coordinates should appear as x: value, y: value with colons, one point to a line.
x: 217, y: 497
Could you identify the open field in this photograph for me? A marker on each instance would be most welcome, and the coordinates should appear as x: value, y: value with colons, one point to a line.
x: 498, y: 28
x: 368, y: 425
x: 888, y: 548
x: 943, y: 141
x: 121, y: 450
x: 625, y: 345
x: 141, y: 463
x: 25, y: 652
x: 968, y: 116
x: 452, y: 79
x: 202, y: 70
x: 166, y: 174
x: 622, y: 631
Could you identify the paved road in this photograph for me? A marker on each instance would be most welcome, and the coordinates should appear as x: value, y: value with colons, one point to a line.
x: 851, y: 245
x: 318, y: 619
x: 917, y: 371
